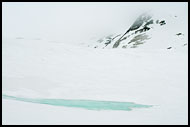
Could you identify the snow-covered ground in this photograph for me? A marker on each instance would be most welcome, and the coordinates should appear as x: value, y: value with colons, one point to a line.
x: 42, y: 69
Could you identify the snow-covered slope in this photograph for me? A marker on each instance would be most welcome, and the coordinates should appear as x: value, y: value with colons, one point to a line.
x: 42, y: 69
x: 147, y: 71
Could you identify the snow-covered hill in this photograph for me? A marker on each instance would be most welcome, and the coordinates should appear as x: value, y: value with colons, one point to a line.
x: 150, y: 31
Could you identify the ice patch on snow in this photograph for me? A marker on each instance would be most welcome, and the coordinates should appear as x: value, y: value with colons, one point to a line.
x: 85, y: 104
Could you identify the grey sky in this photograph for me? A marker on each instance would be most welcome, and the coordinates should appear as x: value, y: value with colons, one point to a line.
x: 75, y: 21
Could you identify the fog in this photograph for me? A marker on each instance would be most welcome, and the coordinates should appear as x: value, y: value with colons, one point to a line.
x: 74, y: 21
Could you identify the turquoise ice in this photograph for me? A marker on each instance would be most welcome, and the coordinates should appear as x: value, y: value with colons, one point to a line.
x: 85, y: 104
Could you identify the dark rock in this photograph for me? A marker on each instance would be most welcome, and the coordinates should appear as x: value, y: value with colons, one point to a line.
x: 139, y: 39
x: 157, y: 21
x: 108, y: 42
x: 125, y: 46
x: 142, y: 30
x: 179, y: 34
x: 117, y: 43
x: 163, y: 22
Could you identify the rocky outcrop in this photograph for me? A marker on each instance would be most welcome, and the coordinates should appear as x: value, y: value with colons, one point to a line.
x: 143, y: 21
x: 144, y: 29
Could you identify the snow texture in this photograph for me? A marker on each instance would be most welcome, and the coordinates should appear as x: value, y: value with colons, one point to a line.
x: 153, y: 73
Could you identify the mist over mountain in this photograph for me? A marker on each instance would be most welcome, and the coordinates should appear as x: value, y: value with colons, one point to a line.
x: 78, y: 22
x: 149, y: 30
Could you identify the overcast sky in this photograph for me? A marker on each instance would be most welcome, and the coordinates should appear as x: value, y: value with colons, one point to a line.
x: 73, y: 21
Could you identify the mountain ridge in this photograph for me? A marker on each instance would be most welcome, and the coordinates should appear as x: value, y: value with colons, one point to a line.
x: 147, y: 29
